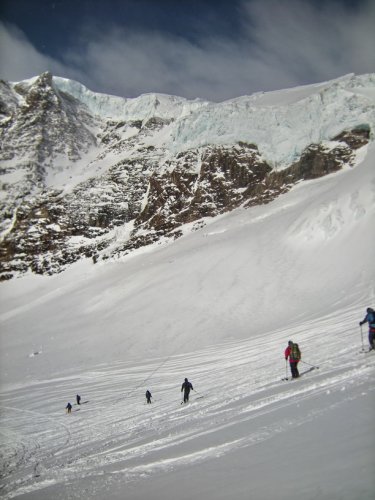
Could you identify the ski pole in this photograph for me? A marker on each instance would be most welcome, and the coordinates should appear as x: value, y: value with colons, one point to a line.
x: 363, y: 347
x: 286, y: 369
x: 309, y: 364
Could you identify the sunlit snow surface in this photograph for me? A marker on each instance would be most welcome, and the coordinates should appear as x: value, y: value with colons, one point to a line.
x: 217, y: 306
x: 243, y: 421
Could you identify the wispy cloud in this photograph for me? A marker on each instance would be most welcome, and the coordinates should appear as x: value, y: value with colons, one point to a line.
x: 313, y: 40
x: 20, y: 60
x: 280, y: 44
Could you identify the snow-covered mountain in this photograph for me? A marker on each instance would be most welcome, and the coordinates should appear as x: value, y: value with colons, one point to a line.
x: 217, y: 306
x: 91, y: 175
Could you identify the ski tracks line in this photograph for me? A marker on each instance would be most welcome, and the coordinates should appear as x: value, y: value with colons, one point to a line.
x: 28, y: 457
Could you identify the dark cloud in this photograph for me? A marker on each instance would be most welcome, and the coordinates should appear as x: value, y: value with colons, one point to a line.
x: 278, y: 44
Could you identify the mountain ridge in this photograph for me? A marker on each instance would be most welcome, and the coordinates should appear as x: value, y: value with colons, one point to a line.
x: 71, y: 175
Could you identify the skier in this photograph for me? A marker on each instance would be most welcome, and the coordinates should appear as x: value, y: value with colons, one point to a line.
x: 148, y: 396
x: 186, y: 386
x: 68, y: 408
x: 78, y: 398
x: 370, y: 319
x: 294, y: 354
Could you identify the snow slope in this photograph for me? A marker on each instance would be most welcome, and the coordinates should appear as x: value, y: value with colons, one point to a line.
x: 217, y: 306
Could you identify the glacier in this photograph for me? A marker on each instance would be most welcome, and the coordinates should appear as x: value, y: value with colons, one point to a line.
x: 281, y: 123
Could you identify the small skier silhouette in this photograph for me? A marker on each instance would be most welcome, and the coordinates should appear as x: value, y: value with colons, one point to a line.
x: 148, y: 397
x: 186, y: 387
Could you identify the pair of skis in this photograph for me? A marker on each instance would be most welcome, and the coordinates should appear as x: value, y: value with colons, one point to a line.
x: 303, y: 373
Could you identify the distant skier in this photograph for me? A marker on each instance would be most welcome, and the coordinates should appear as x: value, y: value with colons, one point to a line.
x: 294, y: 354
x: 370, y: 319
x: 78, y: 398
x: 148, y: 397
x: 68, y: 408
x: 186, y: 387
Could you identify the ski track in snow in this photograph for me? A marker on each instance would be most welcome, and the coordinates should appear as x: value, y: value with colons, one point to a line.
x: 115, y: 434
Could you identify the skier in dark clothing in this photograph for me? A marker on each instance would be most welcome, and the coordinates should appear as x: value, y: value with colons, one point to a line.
x: 186, y: 387
x: 68, y: 408
x: 294, y: 354
x: 78, y: 398
x: 148, y: 397
x: 370, y: 319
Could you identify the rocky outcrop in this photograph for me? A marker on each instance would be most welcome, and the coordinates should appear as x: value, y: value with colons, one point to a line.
x: 316, y: 161
x: 45, y: 124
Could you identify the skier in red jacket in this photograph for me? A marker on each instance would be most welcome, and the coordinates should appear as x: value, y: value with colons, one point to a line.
x: 294, y: 354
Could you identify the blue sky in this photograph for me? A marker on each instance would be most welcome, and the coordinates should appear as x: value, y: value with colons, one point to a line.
x: 211, y: 49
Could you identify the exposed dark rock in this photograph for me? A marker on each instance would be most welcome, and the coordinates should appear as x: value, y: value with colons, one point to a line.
x: 355, y: 138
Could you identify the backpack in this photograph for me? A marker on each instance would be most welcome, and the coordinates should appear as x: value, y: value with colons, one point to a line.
x: 295, y: 352
x: 371, y: 318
